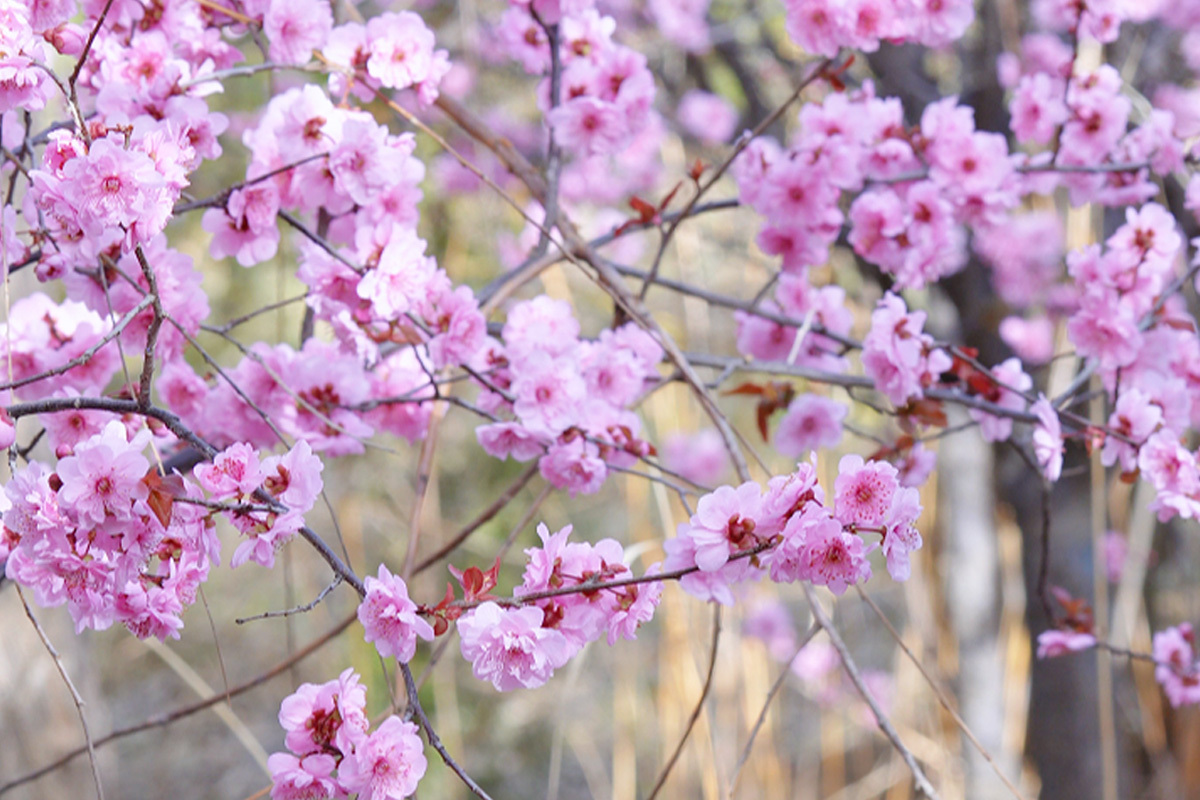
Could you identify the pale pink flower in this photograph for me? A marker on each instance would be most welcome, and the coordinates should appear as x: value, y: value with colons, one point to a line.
x: 1055, y: 642
x: 1177, y: 671
x: 503, y: 439
x: 387, y: 764
x: 588, y: 126
x: 635, y: 606
x: 575, y: 466
x: 1047, y: 439
x: 389, y: 618
x: 1136, y: 418
x: 307, y: 778
x: 295, y: 28
x: 707, y: 116
x: 833, y: 557
x: 295, y: 477
x: 700, y: 457
x: 104, y: 475
x: 811, y: 422
x: 724, y: 523
x: 863, y: 492
x: 901, y: 536
x: 509, y: 647
x: 1009, y: 380
x: 235, y: 471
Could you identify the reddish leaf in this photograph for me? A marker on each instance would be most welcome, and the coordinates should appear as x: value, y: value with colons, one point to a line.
x: 746, y: 388
x: 697, y: 170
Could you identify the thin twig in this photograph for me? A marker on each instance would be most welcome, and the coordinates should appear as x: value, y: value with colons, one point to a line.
x: 937, y: 691
x: 337, y: 580
x: 762, y: 714
x: 922, y: 783
x: 697, y: 710
x: 90, y: 746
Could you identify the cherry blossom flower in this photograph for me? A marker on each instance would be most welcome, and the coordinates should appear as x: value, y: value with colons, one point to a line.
x: 863, y: 492
x: 1053, y: 643
x: 811, y: 422
x: 326, y: 718
x: 307, y: 778
x: 1177, y: 671
x: 386, y: 765
x: 1047, y: 439
x: 509, y: 647
x: 234, y: 472
x: 389, y: 617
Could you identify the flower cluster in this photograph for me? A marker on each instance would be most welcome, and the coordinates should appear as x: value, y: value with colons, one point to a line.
x: 521, y: 646
x: 898, y: 355
x: 774, y: 339
x: 291, y: 482
x: 791, y: 533
x: 569, y: 397
x: 333, y: 753
x: 105, y: 535
x: 822, y: 27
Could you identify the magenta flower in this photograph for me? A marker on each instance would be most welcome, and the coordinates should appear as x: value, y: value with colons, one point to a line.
x: 389, y: 618
x: 386, y: 765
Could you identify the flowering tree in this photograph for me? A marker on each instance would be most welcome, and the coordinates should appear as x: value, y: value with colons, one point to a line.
x: 934, y: 279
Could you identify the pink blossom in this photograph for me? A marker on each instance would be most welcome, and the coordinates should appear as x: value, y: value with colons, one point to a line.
x: 831, y: 556
x: 901, y: 536
x: 246, y: 227
x: 387, y: 764
x: 863, y: 492
x: 234, y: 472
x: 724, y: 522
x: 389, y: 617
x: 635, y: 606
x: 326, y: 718
x: 295, y: 477
x: 402, y: 54
x: 915, y: 465
x: 575, y: 466
x: 1135, y: 417
x: 104, y: 475
x: 503, y: 439
x: 897, y: 355
x: 1177, y: 671
x: 1047, y: 439
x: 509, y: 647
x: 811, y: 422
x: 307, y: 778
x: 295, y: 28
x: 707, y: 116
x: 715, y: 586
x: 1038, y: 108
x: 1009, y: 381
x: 1053, y: 643
x: 588, y: 126
x: 548, y: 393
x: 701, y: 457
